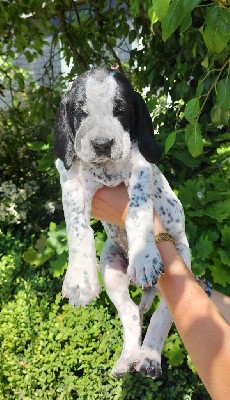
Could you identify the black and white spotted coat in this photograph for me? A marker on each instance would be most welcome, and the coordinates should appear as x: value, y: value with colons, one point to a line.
x: 104, y: 136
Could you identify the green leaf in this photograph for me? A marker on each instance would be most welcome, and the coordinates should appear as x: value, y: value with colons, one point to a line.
x: 3, y: 14
x: 220, y: 272
x: 132, y: 35
x: 216, y: 33
x: 29, y: 56
x: 191, y: 230
x: 170, y: 141
x: 219, y: 115
x: 191, y: 365
x: 224, y: 256
x: 100, y: 238
x: 203, y: 247
x: 200, y: 88
x: 36, y: 145
x: 225, y: 238
x: 174, y: 350
x: 57, y: 237
x: 172, y: 19
x: 35, y: 258
x: 20, y: 79
x: 41, y: 243
x: 218, y: 211
x: 134, y: 7
x: 186, y: 159
x: 158, y: 10
x: 204, y: 63
x: 59, y: 265
x: 188, y: 132
x: 152, y: 15
x: 194, y: 140
x: 223, y: 93
x: 224, y: 149
x: 198, y: 267
x: 46, y: 162
x: 189, y: 5
x: 192, y: 110
x: 177, y: 10
x: 186, y: 23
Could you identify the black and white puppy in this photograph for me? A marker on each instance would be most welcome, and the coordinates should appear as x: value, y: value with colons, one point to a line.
x: 104, y: 136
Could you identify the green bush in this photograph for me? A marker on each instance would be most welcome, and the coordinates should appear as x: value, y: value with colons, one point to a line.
x: 11, y: 249
x: 50, y: 350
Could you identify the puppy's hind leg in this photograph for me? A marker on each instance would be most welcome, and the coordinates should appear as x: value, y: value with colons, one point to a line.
x: 114, y: 266
x: 150, y: 355
x: 149, y: 362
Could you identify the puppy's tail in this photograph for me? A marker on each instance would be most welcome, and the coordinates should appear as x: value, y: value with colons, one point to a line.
x: 147, y: 298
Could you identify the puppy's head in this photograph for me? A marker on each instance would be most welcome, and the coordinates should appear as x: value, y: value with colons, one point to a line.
x: 99, y: 118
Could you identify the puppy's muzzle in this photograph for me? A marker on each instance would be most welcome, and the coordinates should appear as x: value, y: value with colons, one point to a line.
x: 102, y: 147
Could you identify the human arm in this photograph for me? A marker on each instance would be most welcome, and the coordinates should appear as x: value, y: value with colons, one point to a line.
x: 204, y: 332
x: 111, y: 205
x: 206, y: 335
x: 221, y: 301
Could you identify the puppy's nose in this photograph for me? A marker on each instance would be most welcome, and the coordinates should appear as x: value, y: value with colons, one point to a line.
x: 102, y: 145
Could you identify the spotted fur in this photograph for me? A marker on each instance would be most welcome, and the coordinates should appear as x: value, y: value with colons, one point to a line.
x: 104, y: 136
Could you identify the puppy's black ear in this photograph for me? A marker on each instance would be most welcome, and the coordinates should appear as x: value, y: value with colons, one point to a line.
x: 64, y: 138
x: 143, y: 131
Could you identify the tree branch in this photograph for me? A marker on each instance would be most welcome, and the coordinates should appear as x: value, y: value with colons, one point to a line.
x: 76, y: 55
x: 212, y: 86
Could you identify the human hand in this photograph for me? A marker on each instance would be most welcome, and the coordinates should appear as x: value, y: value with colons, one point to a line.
x: 111, y: 204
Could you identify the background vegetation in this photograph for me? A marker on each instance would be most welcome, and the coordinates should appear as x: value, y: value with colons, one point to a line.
x: 50, y: 350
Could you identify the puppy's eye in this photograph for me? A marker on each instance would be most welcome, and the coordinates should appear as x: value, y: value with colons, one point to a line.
x: 79, y: 113
x: 118, y: 110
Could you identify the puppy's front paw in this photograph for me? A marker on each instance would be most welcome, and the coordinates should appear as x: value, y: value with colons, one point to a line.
x: 145, y: 268
x: 80, y: 287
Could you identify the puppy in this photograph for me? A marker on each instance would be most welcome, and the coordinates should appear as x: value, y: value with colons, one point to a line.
x: 104, y: 136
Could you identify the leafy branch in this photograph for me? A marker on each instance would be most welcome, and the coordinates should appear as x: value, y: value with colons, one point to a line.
x: 79, y: 59
x: 212, y: 86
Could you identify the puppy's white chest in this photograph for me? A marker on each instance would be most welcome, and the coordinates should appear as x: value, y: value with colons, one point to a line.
x: 108, y: 174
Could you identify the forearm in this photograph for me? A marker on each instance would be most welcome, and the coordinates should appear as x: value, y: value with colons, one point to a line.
x: 204, y: 332
x: 221, y: 301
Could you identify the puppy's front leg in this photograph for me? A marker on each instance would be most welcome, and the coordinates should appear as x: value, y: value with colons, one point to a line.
x: 81, y: 282
x: 145, y: 263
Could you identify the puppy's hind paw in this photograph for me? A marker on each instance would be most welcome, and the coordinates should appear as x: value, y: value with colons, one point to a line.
x: 149, y: 364
x: 80, y: 295
x: 150, y: 369
x: 123, y: 366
